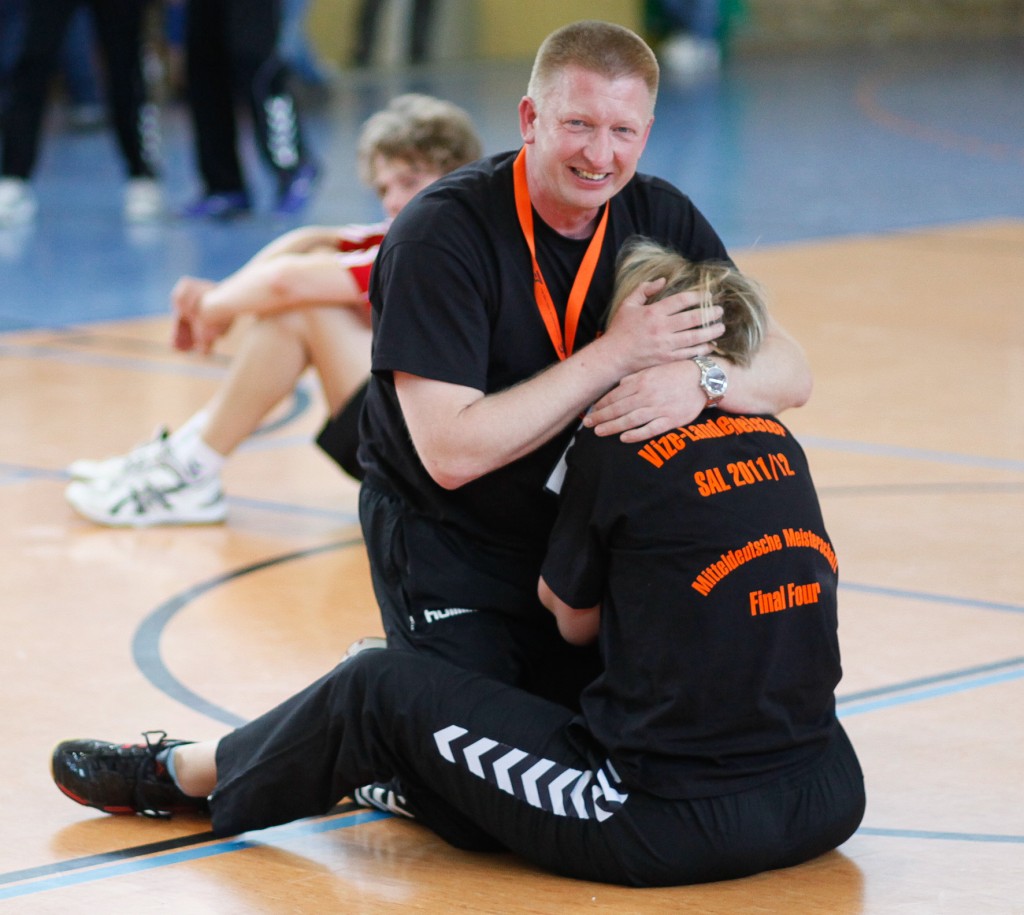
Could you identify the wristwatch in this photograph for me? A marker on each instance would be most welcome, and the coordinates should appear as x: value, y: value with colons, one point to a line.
x: 713, y: 382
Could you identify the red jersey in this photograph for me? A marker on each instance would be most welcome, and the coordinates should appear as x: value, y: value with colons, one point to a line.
x: 358, y: 247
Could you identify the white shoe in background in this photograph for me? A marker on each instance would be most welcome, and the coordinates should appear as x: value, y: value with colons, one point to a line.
x: 109, y: 468
x: 688, y: 57
x: 17, y: 202
x: 163, y: 493
x: 143, y: 200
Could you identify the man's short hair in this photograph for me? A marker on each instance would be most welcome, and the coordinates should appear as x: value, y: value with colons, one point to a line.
x: 745, y: 313
x: 418, y: 129
x: 609, y: 50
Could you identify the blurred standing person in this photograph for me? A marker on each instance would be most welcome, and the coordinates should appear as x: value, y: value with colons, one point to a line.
x: 367, y: 31
x: 11, y: 30
x: 294, y: 46
x: 231, y: 54
x: 82, y: 88
x: 119, y: 33
x: 691, y: 47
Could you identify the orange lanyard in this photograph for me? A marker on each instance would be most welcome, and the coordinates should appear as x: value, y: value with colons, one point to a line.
x: 546, y: 307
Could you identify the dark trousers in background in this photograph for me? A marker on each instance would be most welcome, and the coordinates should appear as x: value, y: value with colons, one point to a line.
x: 231, y: 57
x: 119, y: 36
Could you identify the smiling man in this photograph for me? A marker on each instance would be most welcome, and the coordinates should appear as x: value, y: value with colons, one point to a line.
x: 487, y: 298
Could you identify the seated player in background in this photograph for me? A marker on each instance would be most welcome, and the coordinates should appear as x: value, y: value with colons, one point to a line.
x: 307, y: 294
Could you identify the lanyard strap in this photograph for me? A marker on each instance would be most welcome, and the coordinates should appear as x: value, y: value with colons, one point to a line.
x: 563, y: 344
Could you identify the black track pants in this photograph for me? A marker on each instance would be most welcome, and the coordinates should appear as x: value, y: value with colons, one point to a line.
x: 487, y: 765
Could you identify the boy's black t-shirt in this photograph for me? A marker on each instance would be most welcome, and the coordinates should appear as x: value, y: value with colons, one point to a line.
x: 707, y: 551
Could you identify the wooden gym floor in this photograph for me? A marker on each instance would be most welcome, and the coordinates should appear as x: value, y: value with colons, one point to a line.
x: 914, y: 324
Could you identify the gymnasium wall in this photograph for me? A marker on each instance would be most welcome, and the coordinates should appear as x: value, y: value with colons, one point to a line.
x: 808, y: 23
x: 514, y: 28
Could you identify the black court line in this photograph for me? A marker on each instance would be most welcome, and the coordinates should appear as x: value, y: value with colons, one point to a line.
x: 135, y: 851
x: 195, y: 851
x: 146, y: 642
x: 995, y: 667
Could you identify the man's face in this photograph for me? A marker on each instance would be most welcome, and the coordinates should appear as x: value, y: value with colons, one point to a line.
x: 586, y: 134
x: 397, y: 181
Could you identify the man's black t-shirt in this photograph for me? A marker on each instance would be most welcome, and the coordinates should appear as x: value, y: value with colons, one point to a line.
x: 453, y: 301
x: 707, y: 552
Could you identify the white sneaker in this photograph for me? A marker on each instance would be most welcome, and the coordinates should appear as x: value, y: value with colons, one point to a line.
x: 143, y: 200
x: 17, y: 202
x: 109, y: 468
x: 160, y: 494
x: 689, y: 57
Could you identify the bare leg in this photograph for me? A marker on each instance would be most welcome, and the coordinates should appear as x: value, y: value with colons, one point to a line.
x: 338, y: 344
x: 274, y: 353
x: 195, y: 768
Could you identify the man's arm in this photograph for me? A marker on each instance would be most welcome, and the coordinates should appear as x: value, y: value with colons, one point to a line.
x: 461, y: 434
x: 663, y: 397
x: 576, y: 626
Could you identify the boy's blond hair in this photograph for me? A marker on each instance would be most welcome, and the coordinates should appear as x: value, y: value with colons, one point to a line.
x: 742, y: 299
x: 418, y: 129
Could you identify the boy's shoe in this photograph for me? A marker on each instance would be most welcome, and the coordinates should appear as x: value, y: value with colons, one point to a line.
x: 143, y: 200
x: 161, y: 493
x: 367, y: 643
x: 122, y: 778
x: 108, y: 468
x: 226, y: 205
x: 17, y: 202
x: 386, y: 796
x: 297, y: 189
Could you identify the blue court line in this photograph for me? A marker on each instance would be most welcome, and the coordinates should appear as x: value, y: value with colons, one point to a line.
x: 291, y: 508
x: 11, y: 474
x: 300, y: 400
x: 931, y: 688
x: 135, y: 364
x: 291, y: 831
x: 942, y: 836
x: 932, y: 598
x: 919, y: 489
x: 19, y: 473
x: 912, y: 454
x: 930, y: 681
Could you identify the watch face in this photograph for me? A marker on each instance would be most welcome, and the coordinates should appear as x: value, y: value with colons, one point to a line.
x: 715, y: 382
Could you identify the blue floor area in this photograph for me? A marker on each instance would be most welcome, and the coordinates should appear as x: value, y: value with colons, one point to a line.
x: 780, y: 148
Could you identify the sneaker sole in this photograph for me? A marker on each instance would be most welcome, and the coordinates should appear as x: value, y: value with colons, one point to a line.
x: 142, y: 523
x: 113, y: 811
x: 147, y: 521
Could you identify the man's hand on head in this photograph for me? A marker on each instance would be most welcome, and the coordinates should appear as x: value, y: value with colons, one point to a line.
x: 650, y: 402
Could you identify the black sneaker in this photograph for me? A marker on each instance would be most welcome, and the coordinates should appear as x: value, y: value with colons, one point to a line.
x: 122, y: 778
